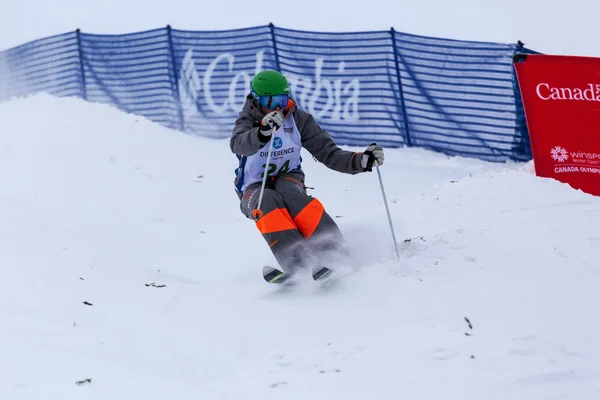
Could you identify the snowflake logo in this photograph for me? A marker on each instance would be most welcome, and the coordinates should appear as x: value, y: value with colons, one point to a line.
x: 559, y: 154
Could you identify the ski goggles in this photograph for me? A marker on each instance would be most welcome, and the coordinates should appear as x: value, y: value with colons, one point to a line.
x: 272, y: 102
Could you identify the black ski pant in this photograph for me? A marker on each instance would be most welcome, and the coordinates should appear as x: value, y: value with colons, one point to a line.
x: 295, y: 225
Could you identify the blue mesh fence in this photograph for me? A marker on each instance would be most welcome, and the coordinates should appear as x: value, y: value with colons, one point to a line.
x: 215, y: 69
x: 459, y: 95
x: 348, y: 81
x: 50, y: 65
x: 456, y: 97
x: 132, y: 72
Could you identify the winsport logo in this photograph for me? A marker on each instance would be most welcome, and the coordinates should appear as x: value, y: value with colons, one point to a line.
x: 559, y: 154
x: 575, y: 161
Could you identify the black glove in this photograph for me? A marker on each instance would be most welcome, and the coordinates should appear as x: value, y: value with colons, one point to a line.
x: 373, y: 156
x: 269, y: 124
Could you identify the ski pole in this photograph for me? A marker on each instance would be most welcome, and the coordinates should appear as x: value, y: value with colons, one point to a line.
x: 257, y: 212
x: 388, y: 212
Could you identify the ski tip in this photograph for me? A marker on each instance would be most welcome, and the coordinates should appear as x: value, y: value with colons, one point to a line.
x: 320, y: 273
x: 268, y: 269
x: 273, y: 275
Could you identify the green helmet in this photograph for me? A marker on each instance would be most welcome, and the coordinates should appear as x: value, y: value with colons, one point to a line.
x: 269, y: 83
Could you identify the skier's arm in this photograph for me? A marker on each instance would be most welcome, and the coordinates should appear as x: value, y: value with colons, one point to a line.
x: 318, y: 142
x: 246, y: 139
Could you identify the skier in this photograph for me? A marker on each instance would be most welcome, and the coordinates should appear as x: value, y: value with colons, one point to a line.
x: 294, y: 224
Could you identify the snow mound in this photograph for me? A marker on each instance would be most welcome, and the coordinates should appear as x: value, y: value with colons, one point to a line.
x: 129, y: 272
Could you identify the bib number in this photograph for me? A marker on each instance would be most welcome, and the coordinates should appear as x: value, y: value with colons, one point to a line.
x: 272, y: 167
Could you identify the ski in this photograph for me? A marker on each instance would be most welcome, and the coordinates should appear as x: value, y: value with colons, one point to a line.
x: 273, y: 275
x: 321, y: 273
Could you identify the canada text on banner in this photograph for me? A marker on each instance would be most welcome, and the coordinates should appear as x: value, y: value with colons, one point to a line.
x: 561, y: 97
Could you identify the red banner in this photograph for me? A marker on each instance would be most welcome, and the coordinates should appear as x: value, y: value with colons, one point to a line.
x: 561, y: 97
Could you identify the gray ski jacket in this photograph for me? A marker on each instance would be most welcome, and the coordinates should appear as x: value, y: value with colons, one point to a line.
x: 245, y: 139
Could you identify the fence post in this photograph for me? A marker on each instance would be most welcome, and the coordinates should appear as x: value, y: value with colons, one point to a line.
x: 272, y: 27
x: 176, y: 80
x: 521, y: 150
x: 402, y: 105
x: 80, y: 54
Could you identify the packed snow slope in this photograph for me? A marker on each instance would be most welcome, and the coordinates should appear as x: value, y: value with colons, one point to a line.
x: 128, y: 272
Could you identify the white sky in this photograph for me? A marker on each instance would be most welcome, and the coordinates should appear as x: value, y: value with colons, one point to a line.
x: 548, y: 26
